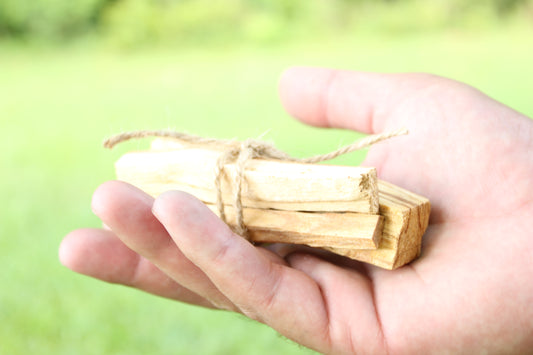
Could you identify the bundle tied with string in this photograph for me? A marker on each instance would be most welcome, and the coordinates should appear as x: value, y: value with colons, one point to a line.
x: 267, y: 196
x: 242, y: 152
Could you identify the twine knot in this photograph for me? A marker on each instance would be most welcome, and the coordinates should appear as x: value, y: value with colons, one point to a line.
x: 242, y: 152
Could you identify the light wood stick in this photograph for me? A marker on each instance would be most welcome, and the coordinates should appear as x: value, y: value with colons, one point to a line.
x: 323, y: 229
x: 406, y: 217
x: 267, y: 183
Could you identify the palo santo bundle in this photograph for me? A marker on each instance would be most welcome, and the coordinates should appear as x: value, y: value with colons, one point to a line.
x: 268, y: 196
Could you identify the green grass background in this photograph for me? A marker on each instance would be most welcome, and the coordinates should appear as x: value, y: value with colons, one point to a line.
x: 56, y: 106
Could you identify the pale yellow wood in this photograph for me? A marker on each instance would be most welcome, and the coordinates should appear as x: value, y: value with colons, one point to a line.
x: 405, y: 214
x: 316, y: 229
x: 406, y: 217
x: 267, y: 183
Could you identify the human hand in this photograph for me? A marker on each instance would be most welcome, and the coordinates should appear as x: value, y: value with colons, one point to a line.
x: 470, y: 291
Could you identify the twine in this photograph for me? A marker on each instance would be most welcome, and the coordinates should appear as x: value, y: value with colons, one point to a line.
x: 240, y: 153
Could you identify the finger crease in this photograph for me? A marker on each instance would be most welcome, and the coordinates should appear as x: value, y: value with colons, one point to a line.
x: 325, y: 104
x: 222, y: 251
x: 381, y: 331
x: 136, y: 271
x: 269, y: 298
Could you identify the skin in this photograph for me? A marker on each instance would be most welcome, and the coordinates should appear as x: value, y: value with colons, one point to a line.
x: 471, y: 291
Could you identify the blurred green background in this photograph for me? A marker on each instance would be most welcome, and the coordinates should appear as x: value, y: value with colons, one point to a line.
x: 75, y: 72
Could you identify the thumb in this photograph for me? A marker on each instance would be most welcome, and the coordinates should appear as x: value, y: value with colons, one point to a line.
x: 345, y: 99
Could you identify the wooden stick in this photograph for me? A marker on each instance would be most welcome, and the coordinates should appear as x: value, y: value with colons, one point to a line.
x: 323, y: 229
x: 406, y: 218
x: 267, y: 183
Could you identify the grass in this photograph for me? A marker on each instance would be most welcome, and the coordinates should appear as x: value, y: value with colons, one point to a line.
x: 56, y: 106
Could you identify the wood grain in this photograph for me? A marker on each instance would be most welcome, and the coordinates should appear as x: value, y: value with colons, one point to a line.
x: 267, y: 183
x: 406, y: 217
x: 315, y: 229
x: 340, y: 215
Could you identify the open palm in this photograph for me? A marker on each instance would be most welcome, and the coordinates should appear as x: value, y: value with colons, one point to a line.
x: 470, y: 291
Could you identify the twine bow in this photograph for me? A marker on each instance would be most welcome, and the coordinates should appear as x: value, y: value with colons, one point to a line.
x: 240, y: 153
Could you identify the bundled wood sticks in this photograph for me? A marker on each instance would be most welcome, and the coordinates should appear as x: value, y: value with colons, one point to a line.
x: 269, y: 197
